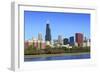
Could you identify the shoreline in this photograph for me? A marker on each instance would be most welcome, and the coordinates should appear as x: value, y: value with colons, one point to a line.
x: 52, y: 55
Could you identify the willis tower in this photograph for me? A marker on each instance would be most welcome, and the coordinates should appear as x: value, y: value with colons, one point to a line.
x: 48, y: 33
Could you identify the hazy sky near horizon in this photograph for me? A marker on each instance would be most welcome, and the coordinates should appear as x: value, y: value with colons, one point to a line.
x: 65, y: 24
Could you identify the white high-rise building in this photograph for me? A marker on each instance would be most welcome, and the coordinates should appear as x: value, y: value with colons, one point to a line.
x: 85, y: 42
x: 88, y: 42
x: 40, y: 37
x: 60, y: 40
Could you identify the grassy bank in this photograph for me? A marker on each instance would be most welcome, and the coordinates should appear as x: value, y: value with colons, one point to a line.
x: 35, y: 51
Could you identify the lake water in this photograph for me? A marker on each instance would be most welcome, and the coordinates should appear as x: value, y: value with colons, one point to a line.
x: 68, y: 57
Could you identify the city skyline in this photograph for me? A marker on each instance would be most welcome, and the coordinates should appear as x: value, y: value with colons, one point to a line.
x: 69, y: 24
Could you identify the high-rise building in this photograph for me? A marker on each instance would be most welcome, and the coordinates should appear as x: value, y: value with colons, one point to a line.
x: 88, y: 42
x: 60, y: 40
x: 40, y: 37
x: 71, y: 41
x: 65, y: 41
x: 48, y: 33
x: 79, y: 39
x: 85, y: 42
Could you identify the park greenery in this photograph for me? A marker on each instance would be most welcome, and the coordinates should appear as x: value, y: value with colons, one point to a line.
x: 31, y: 50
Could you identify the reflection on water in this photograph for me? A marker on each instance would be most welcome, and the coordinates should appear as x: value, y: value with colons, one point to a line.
x: 68, y: 57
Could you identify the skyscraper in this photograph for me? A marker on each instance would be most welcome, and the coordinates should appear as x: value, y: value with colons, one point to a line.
x: 88, y: 42
x: 60, y: 40
x: 39, y: 40
x: 71, y: 41
x: 84, y: 42
x: 65, y: 41
x: 39, y: 36
x: 48, y: 33
x: 79, y: 39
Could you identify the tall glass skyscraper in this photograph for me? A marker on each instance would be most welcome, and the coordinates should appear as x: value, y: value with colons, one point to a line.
x: 71, y: 41
x: 48, y: 33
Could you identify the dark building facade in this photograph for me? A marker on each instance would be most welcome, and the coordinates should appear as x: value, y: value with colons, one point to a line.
x: 48, y: 33
x: 79, y: 39
x: 71, y: 41
x: 65, y: 41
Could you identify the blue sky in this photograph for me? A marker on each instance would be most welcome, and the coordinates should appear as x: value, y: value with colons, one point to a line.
x: 65, y: 24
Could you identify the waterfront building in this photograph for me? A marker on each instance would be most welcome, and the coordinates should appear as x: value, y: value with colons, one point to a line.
x: 60, y: 40
x: 48, y: 33
x: 48, y: 43
x: 65, y: 41
x: 71, y: 41
x: 85, y: 42
x: 35, y: 43
x: 76, y: 44
x: 88, y: 42
x: 30, y: 42
x: 43, y: 45
x: 55, y: 42
x: 67, y: 45
x: 39, y: 44
x: 40, y: 37
x: 79, y: 39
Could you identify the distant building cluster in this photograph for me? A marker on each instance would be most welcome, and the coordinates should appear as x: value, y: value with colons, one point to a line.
x: 78, y: 40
